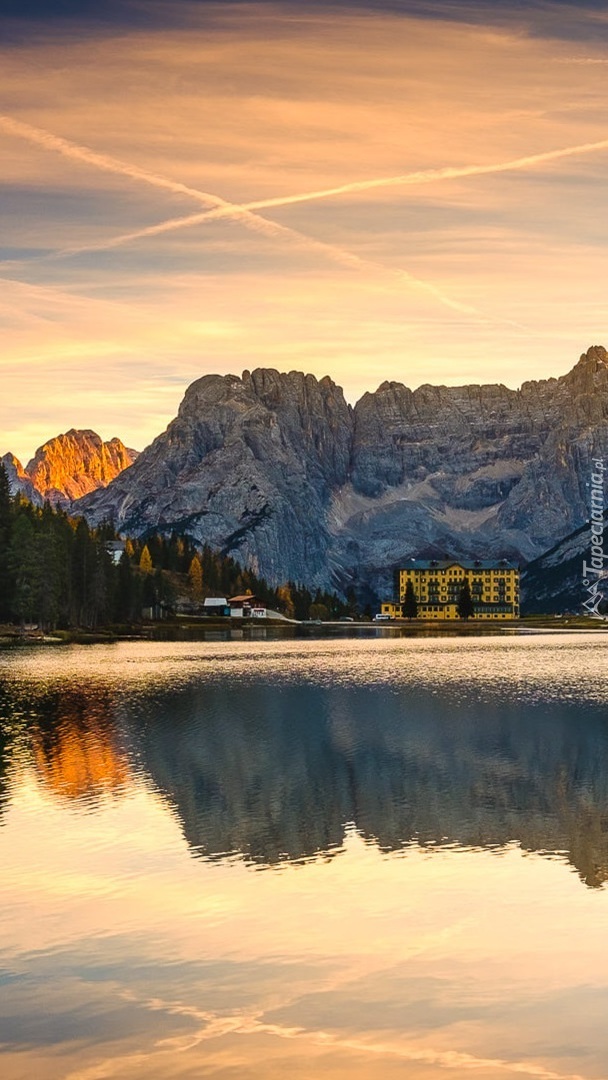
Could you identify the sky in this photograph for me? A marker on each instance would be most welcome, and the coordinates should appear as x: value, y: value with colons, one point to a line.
x: 401, y: 190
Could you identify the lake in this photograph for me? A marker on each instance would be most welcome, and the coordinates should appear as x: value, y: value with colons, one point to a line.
x: 363, y: 859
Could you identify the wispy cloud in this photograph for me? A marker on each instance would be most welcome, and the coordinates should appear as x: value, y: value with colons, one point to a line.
x: 225, y: 209
x: 584, y: 60
x: 216, y: 1026
x: 247, y: 212
x: 427, y: 176
x: 375, y: 155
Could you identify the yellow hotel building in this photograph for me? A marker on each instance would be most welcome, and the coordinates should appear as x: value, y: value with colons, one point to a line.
x: 437, y: 583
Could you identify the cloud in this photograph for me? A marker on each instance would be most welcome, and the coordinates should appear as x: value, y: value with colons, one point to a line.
x: 428, y: 176
x: 241, y: 213
x: 270, y: 104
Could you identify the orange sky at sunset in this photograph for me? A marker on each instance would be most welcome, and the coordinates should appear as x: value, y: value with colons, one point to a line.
x: 113, y: 126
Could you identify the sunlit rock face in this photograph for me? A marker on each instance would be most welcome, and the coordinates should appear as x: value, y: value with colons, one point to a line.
x: 278, y: 470
x: 71, y: 465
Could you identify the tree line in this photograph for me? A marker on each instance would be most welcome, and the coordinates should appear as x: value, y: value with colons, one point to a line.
x: 57, y: 571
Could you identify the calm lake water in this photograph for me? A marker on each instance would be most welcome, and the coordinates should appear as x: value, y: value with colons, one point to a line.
x: 356, y: 859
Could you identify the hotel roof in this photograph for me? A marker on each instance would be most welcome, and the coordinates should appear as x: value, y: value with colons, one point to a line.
x: 465, y: 564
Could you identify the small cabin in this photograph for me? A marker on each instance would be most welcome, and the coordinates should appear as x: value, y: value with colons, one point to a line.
x: 216, y: 606
x: 247, y: 606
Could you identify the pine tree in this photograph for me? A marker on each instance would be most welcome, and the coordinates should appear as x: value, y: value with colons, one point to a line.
x: 124, y: 596
x: 52, y: 559
x: 149, y: 595
x: 285, y: 600
x: 351, y: 600
x: 5, y: 543
x: 101, y: 585
x: 195, y: 578
x: 145, y: 560
x: 465, y: 601
x: 81, y: 572
x: 24, y: 567
x: 410, y: 604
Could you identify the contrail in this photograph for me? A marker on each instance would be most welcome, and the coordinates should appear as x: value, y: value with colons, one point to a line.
x: 76, y: 152
x: 428, y: 176
x: 246, y: 212
x: 222, y: 207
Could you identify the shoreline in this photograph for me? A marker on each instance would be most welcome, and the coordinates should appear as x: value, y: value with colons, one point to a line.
x: 212, y: 629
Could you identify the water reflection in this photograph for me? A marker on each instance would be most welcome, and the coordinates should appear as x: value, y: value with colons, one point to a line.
x: 417, y: 811
x: 275, y: 772
x: 275, y: 776
x: 76, y: 745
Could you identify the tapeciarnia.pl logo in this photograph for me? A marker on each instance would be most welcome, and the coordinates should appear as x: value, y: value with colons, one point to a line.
x: 594, y: 571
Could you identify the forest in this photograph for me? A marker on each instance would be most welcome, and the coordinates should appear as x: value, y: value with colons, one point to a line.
x: 57, y: 572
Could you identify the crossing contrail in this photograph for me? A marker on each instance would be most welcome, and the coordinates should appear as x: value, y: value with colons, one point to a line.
x: 226, y: 209
x: 76, y: 152
x: 223, y: 208
x: 219, y: 208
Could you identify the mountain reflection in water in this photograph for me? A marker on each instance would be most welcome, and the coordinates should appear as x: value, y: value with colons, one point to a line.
x: 344, y: 860
x: 274, y: 771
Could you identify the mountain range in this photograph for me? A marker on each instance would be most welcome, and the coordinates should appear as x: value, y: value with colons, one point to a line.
x: 279, y: 470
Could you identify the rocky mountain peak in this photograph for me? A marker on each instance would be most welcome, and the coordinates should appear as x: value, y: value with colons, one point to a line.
x: 69, y: 466
x: 277, y: 468
x: 248, y: 465
x: 592, y: 362
x: 73, y: 464
x: 596, y: 354
x: 13, y: 466
x: 589, y: 378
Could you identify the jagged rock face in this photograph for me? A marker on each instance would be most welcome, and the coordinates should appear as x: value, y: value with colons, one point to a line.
x: 280, y: 471
x: 473, y: 471
x: 71, y: 465
x: 249, y: 465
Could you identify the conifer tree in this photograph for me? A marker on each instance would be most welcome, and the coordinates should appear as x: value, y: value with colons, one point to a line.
x: 52, y: 559
x: 145, y: 560
x: 5, y: 542
x: 24, y: 567
x: 82, y: 571
x: 285, y: 601
x: 124, y: 602
x: 410, y: 604
x: 195, y: 577
x: 465, y: 601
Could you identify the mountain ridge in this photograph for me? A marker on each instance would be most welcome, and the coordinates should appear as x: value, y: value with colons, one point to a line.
x: 278, y: 469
